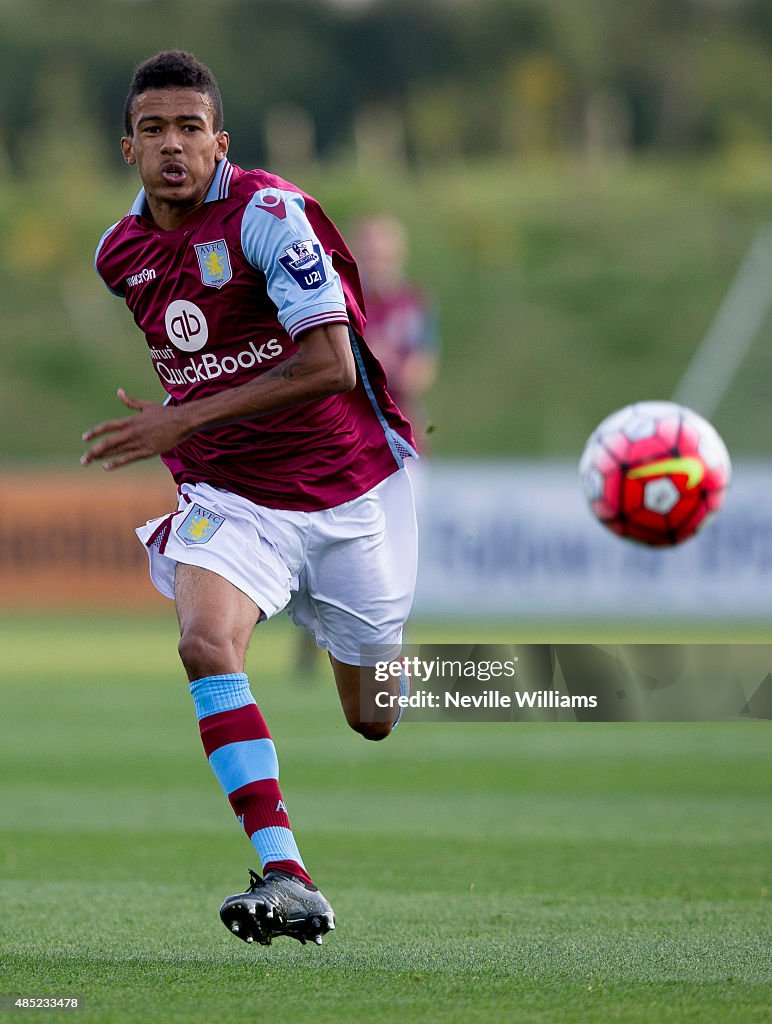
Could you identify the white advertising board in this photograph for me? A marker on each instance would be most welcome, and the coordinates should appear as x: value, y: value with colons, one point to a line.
x: 502, y: 539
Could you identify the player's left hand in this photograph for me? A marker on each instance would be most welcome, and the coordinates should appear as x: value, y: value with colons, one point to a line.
x: 156, y: 429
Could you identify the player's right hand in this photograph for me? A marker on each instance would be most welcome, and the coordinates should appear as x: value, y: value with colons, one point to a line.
x: 156, y: 429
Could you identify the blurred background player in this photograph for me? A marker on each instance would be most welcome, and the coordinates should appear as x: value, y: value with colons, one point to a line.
x: 401, y: 325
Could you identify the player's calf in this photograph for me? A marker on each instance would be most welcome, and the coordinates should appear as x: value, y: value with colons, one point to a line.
x: 371, y: 730
x: 369, y: 706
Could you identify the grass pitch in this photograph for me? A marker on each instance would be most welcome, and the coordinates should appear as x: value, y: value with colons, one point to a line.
x: 479, y: 872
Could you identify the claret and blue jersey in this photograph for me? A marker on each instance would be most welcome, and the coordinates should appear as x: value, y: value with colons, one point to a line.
x: 229, y: 294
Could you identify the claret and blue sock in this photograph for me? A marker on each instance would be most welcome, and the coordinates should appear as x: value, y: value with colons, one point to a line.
x: 243, y: 757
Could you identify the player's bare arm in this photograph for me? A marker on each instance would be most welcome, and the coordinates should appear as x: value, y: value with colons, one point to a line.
x: 323, y: 365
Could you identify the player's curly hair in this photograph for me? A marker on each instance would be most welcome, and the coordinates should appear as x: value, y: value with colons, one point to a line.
x: 173, y: 69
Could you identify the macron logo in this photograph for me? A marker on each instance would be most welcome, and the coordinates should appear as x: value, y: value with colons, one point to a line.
x: 280, y: 807
x: 140, y: 278
x: 272, y: 202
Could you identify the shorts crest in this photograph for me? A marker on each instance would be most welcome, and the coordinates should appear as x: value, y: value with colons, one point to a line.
x: 199, y: 525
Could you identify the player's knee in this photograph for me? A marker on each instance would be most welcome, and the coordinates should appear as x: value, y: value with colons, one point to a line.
x: 372, y: 730
x: 205, y: 653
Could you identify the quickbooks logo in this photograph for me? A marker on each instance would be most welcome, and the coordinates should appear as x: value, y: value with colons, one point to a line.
x: 211, y: 365
x: 689, y: 466
x: 186, y: 326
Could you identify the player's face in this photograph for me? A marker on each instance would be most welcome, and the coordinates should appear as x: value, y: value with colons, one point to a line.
x: 174, y: 146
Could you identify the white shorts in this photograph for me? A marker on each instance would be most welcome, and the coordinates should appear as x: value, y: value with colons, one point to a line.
x: 345, y: 573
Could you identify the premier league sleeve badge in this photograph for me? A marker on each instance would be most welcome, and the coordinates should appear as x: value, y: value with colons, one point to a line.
x: 303, y: 261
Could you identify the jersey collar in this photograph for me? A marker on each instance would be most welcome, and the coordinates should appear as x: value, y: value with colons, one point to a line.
x: 219, y: 189
x: 221, y: 183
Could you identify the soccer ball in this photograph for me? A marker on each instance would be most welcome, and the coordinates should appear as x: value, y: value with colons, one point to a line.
x: 655, y: 472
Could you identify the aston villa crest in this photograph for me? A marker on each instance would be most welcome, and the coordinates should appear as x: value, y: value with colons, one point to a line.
x: 199, y: 525
x: 214, y: 262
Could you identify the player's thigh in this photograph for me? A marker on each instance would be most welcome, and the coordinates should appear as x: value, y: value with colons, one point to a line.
x: 200, y: 594
x: 216, y: 620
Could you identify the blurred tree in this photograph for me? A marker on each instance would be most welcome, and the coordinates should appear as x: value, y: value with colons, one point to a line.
x: 458, y: 77
x: 537, y: 93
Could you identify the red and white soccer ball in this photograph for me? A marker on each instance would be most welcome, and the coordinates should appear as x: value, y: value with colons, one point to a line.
x: 655, y: 472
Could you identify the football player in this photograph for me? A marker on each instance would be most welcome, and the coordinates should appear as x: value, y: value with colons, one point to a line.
x: 286, y: 447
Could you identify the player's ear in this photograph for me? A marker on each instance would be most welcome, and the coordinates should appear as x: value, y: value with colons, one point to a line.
x: 223, y: 141
x: 127, y: 148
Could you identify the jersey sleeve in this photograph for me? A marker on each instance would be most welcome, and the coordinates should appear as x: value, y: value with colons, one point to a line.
x: 102, y: 240
x: 278, y: 239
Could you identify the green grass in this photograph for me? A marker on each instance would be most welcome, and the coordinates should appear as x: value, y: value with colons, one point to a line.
x: 480, y: 872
